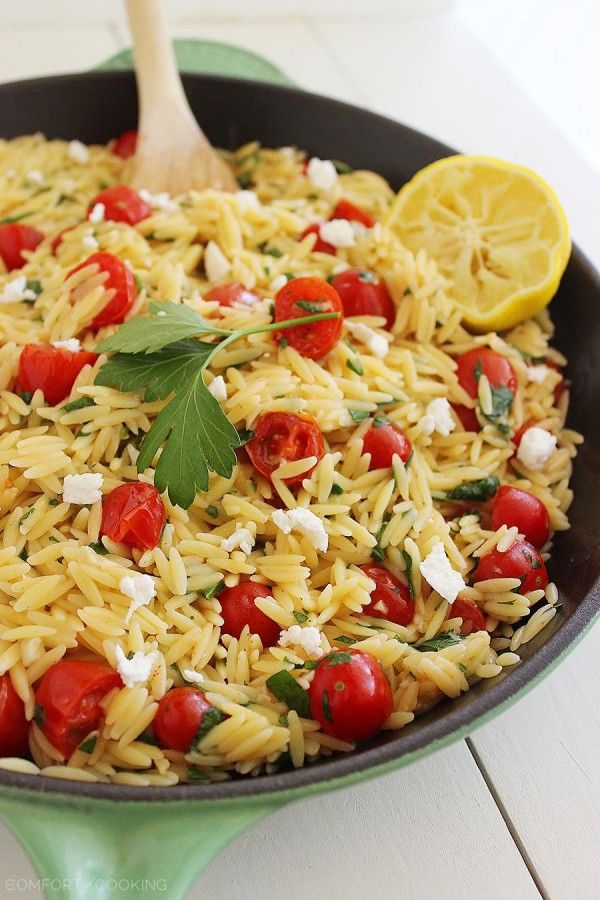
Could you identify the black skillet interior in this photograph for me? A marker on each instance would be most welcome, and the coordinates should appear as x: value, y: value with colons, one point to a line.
x: 97, y: 106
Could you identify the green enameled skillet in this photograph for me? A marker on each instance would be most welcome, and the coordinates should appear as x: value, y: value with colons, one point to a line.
x: 92, y: 833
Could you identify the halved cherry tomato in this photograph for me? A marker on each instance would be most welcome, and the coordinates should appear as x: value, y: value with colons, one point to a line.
x: 350, y: 695
x: 305, y: 297
x: 68, y: 701
x: 320, y: 246
x: 133, y: 514
x: 57, y: 241
x: 120, y: 280
x: 52, y: 369
x: 179, y: 717
x: 521, y: 561
x: 232, y: 294
x: 364, y: 293
x: 383, y: 441
x: 487, y: 362
x: 126, y: 144
x: 14, y: 238
x: 346, y: 210
x: 14, y: 727
x: 467, y: 417
x: 513, y: 506
x: 238, y: 609
x: 122, y: 204
x: 391, y: 598
x: 284, y: 437
x: 472, y: 617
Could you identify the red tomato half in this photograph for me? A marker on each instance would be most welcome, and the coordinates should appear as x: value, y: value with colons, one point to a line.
x: 391, y: 598
x: 133, y: 514
x: 179, y: 717
x: 284, y: 437
x: 14, y: 727
x: 303, y: 297
x: 320, y: 245
x: 238, y: 609
x: 126, y: 144
x: 467, y: 417
x: 14, y: 238
x: 346, y: 210
x: 120, y: 280
x: 350, y: 695
x: 513, y: 506
x: 497, y: 368
x: 232, y: 294
x: 364, y: 293
x: 52, y: 369
x: 122, y: 204
x: 469, y: 612
x: 68, y: 701
x: 382, y: 442
x: 521, y: 561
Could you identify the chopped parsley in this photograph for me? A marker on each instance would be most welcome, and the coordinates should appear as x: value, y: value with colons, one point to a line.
x: 355, y: 366
x: 265, y: 249
x: 212, y: 511
x: 359, y: 415
x: 336, y: 489
x: 213, y: 591
x: 300, y: 617
x: 439, y: 642
x: 80, y: 403
x: 89, y: 745
x: 210, y: 719
x: 98, y: 547
x: 26, y: 397
x: 39, y: 714
x: 336, y: 658
x: 482, y: 489
x: 408, y: 560
x: 345, y: 639
x: 326, y: 707
x: 244, y: 435
x: 312, y: 306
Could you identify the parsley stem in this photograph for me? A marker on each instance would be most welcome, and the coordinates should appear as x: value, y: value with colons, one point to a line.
x: 273, y: 326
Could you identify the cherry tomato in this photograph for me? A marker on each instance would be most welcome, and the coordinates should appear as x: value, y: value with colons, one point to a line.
x: 122, y: 204
x: 238, y: 609
x: 521, y: 561
x: 346, y: 210
x: 68, y: 701
x: 472, y: 617
x: 126, y: 144
x: 14, y: 238
x: 513, y: 506
x: 468, y: 418
x: 364, y: 293
x: 133, y: 514
x: 284, y: 437
x: 391, y: 598
x: 57, y: 241
x: 179, y: 717
x: 320, y: 246
x: 232, y: 294
x: 350, y: 695
x: 384, y: 440
x: 305, y: 297
x: 14, y: 727
x: 52, y: 369
x: 497, y: 368
x: 120, y: 280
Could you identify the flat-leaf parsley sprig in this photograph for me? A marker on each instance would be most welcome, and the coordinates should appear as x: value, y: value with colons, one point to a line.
x: 162, y: 355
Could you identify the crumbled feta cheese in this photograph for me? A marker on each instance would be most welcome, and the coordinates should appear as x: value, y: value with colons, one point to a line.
x: 304, y: 521
x: 307, y: 638
x: 378, y: 344
x: 89, y: 242
x: 16, y: 290
x: 242, y: 538
x: 161, y: 201
x: 247, y: 200
x: 161, y: 314
x: 136, y: 670
x: 215, y: 262
x: 97, y: 213
x: 338, y: 232
x: 277, y: 284
x: 72, y: 344
x: 218, y: 388
x: 34, y: 176
x: 537, y: 374
x: 82, y: 489
x: 536, y: 447
x: 342, y: 266
x: 437, y: 572
x: 427, y: 424
x: 322, y: 173
x: 440, y: 411
x: 193, y: 677
x: 78, y: 152
x: 140, y: 588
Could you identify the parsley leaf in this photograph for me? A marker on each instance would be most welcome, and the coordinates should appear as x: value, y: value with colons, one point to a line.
x: 167, y: 323
x: 210, y: 718
x: 439, y: 642
x: 300, y: 617
x: 285, y: 687
x: 409, y: 564
x: 336, y: 489
x: 89, y: 744
x: 482, y: 489
x: 81, y: 403
x: 358, y: 415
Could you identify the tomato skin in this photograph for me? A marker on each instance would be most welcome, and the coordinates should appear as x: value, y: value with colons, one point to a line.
x: 122, y: 204
x: 126, y: 144
x: 14, y: 727
x: 468, y: 418
x: 350, y: 695
x: 179, y: 717
x: 14, y: 238
x: 68, y: 701
x: 52, y: 369
x: 133, y: 514
x: 364, y: 293
x: 469, y: 612
x: 120, y: 279
x: 319, y: 338
x: 346, y: 210
x: 320, y: 245
x: 522, y: 561
x: 238, y: 609
x: 382, y: 442
x: 513, y: 506
x: 232, y: 294
x: 284, y: 437
x: 391, y: 598
x: 497, y: 368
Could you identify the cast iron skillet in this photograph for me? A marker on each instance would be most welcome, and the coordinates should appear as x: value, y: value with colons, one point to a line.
x: 97, y: 106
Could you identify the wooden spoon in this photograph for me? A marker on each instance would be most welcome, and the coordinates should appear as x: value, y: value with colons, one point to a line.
x: 173, y: 154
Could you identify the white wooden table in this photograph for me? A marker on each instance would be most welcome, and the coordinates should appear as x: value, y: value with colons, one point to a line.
x: 514, y: 811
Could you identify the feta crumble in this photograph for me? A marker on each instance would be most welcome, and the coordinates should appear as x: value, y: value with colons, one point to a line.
x: 215, y: 262
x: 247, y: 200
x: 304, y: 521
x: 82, y: 489
x: 427, y: 423
x: 193, y: 677
x: 537, y: 374
x: 89, y: 242
x: 72, y: 344
x: 140, y: 588
x: 277, y: 284
x: 97, y: 213
x: 242, y: 538
x: 322, y: 173
x: 136, y: 670
x: 536, y: 447
x: 307, y: 638
x: 78, y: 152
x: 439, y: 574
x: 16, y: 290
x: 218, y: 388
x: 161, y: 201
x: 378, y: 344
x: 34, y: 176
x: 438, y: 417
x: 338, y: 232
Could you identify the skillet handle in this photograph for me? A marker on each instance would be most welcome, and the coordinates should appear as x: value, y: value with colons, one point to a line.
x: 86, y: 849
